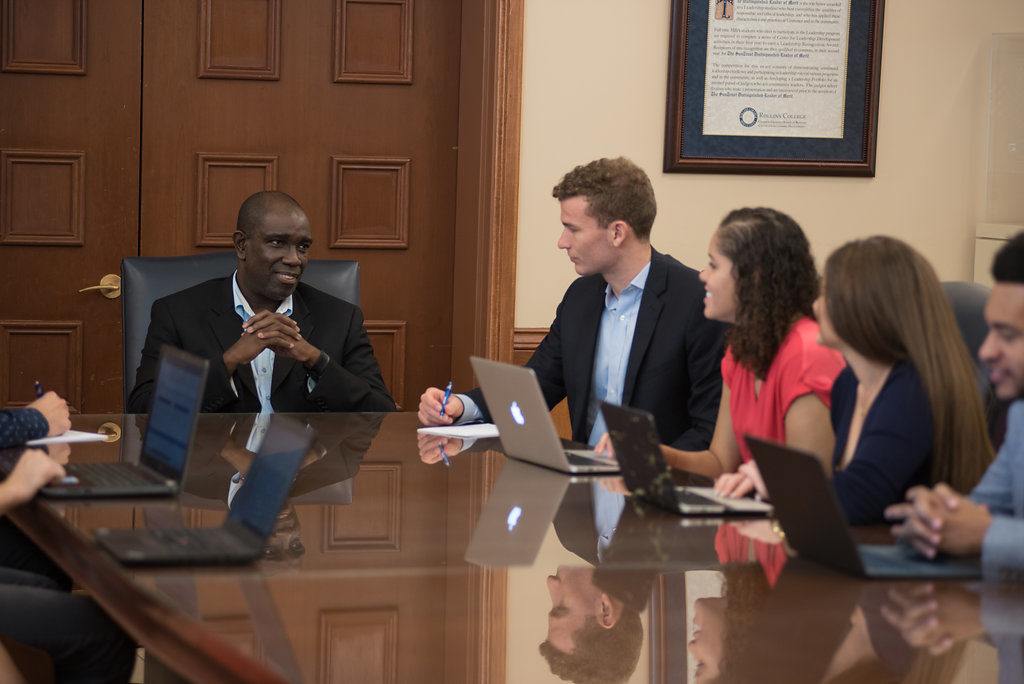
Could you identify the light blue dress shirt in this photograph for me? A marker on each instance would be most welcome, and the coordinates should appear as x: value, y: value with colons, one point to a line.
x: 263, y: 365
x: 614, y: 342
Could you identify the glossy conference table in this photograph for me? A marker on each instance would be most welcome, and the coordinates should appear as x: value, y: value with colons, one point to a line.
x: 366, y: 579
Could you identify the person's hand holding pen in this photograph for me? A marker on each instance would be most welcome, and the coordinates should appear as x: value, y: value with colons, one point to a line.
x: 434, y: 448
x: 444, y: 402
x: 54, y: 410
x: 431, y: 403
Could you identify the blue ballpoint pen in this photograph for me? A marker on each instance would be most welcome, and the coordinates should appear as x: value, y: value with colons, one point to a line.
x: 447, y: 393
x: 39, y: 389
x: 444, y: 402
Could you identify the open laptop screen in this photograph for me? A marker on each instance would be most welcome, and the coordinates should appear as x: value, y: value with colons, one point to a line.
x: 180, y: 380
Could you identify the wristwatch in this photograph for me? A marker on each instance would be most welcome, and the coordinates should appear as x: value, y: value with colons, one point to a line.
x: 318, y: 368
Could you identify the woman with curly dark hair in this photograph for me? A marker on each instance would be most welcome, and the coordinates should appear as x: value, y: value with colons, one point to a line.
x: 777, y: 379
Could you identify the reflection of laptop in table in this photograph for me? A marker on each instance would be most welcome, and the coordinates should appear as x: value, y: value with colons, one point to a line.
x: 519, y: 512
x: 180, y: 381
x: 524, y: 422
x: 638, y: 451
x: 816, y: 528
x: 249, y: 523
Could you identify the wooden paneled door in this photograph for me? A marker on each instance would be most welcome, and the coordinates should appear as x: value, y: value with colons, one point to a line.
x: 70, y: 82
x: 349, y: 106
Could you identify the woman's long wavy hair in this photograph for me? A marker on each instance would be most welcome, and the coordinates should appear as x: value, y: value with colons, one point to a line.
x: 776, y: 282
x: 885, y: 301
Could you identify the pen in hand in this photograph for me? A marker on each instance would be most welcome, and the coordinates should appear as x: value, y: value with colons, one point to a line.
x: 444, y: 402
x: 447, y: 394
x: 39, y: 389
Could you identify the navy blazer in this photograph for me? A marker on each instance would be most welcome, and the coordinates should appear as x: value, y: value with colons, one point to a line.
x: 674, y: 368
x: 202, y: 320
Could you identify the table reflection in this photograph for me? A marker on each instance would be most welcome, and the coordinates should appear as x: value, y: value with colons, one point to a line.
x: 388, y: 567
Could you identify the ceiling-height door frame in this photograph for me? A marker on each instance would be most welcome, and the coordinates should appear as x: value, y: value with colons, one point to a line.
x: 483, y: 316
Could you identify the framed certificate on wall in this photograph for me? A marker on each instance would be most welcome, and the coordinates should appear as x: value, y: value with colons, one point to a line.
x: 774, y: 86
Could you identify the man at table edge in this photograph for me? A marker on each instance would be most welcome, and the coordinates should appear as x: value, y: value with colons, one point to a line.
x: 989, y: 521
x: 631, y: 330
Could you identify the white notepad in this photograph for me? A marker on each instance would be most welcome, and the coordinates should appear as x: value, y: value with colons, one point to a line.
x: 471, y: 431
x: 69, y: 437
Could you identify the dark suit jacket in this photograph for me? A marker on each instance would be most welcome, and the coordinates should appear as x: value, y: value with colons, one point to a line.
x: 202, y: 320
x: 674, y: 368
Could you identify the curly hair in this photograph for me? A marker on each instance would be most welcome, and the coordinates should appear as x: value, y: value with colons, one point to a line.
x: 885, y: 301
x: 602, y: 656
x: 1008, y: 265
x: 616, y: 190
x: 776, y: 282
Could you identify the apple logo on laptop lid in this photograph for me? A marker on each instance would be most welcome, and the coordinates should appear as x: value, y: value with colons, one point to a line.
x: 517, y: 413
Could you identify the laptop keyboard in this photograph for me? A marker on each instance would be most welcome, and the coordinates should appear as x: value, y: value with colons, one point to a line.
x: 199, y: 539
x: 578, y: 460
x: 110, y: 474
x: 685, y: 496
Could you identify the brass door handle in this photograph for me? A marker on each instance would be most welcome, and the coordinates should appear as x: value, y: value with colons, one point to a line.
x: 111, y: 430
x: 109, y: 287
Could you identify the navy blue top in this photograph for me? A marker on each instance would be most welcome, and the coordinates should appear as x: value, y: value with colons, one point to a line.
x: 894, y: 451
x: 17, y: 426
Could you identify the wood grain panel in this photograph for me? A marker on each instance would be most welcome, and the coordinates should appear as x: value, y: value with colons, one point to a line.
x: 359, y: 645
x: 372, y: 522
x: 370, y: 202
x: 223, y: 183
x: 240, y: 39
x: 47, y: 351
x: 388, y: 340
x: 44, y: 36
x: 237, y: 631
x: 525, y: 342
x: 91, y: 518
x: 373, y: 41
x: 42, y: 193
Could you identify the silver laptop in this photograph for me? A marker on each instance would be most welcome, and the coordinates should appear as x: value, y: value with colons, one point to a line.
x: 646, y: 474
x: 816, y: 527
x: 524, y: 422
x: 518, y: 514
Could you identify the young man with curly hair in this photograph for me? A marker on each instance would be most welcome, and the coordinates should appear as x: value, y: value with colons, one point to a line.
x: 630, y: 330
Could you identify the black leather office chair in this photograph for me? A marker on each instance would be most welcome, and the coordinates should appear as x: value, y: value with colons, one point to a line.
x: 968, y: 302
x: 146, y: 279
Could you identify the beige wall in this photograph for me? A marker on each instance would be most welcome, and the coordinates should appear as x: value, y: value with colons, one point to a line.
x: 594, y: 85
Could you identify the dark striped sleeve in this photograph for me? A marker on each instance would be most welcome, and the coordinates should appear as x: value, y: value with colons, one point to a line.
x: 18, y: 426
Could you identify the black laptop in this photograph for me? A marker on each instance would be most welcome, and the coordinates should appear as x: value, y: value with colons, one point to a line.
x: 180, y: 382
x: 809, y: 512
x: 251, y: 520
x: 638, y: 450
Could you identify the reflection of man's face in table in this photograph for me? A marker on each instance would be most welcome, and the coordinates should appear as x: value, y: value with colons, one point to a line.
x: 708, y: 634
x: 590, y: 633
x: 574, y: 599
x: 284, y: 549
